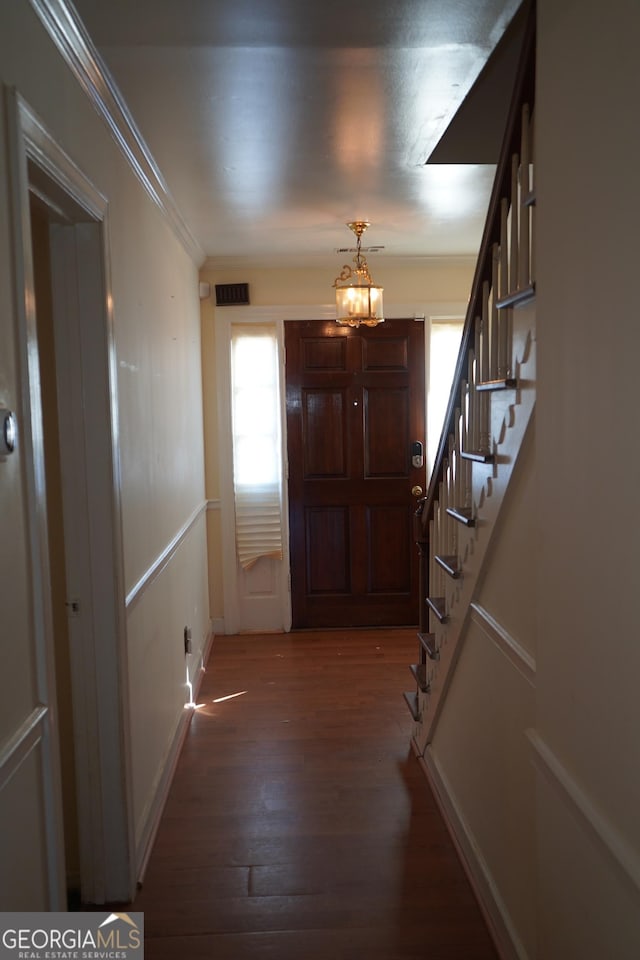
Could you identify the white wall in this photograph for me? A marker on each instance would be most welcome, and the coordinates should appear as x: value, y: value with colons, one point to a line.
x: 157, y: 341
x: 419, y: 281
x: 588, y: 709
x: 536, y: 749
x: 480, y: 753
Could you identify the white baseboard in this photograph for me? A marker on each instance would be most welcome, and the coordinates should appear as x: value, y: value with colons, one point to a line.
x: 217, y: 626
x: 493, y: 908
x: 145, y: 846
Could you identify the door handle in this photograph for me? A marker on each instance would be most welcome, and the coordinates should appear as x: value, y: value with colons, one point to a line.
x: 417, y: 490
x: 8, y: 432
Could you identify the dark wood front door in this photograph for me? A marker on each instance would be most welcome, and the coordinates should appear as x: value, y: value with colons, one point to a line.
x: 355, y: 405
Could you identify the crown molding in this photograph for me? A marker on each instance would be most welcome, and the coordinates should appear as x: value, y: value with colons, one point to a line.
x: 267, y: 313
x: 70, y: 36
x: 304, y: 261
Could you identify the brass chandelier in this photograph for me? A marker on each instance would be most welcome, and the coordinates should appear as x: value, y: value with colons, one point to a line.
x: 358, y: 298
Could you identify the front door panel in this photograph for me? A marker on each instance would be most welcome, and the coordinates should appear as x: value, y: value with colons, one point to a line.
x: 355, y: 405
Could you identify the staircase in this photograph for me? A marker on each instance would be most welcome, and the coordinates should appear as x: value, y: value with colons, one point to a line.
x: 491, y: 404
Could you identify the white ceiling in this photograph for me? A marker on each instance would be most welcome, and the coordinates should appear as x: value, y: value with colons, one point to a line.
x: 274, y: 122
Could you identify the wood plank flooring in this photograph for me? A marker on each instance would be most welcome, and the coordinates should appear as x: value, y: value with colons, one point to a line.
x: 299, y: 824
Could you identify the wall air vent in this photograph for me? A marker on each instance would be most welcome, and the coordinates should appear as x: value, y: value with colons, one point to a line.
x: 232, y: 294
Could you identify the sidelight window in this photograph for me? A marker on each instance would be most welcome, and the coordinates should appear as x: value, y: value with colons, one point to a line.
x: 444, y: 344
x: 256, y: 442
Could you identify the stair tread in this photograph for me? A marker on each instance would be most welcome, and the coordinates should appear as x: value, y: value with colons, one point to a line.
x: 439, y: 607
x: 517, y: 297
x: 508, y: 383
x: 411, y: 699
x: 419, y: 671
x: 477, y: 455
x: 451, y: 565
x: 462, y: 515
x: 428, y: 641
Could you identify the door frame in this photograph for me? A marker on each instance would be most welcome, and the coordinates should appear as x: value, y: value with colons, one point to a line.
x: 87, y: 400
x: 425, y: 311
x: 232, y: 579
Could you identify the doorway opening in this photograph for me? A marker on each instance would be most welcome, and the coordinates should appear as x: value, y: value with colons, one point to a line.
x: 69, y: 442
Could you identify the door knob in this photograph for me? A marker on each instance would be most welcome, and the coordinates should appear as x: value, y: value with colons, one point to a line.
x: 417, y: 490
x: 8, y: 431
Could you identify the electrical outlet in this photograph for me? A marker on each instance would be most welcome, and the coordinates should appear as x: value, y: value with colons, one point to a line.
x: 187, y: 640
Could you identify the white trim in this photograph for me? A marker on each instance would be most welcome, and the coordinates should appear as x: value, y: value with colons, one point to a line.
x: 272, y: 314
x: 232, y: 610
x: 21, y: 743
x: 436, y: 310
x: 584, y: 811
x: 92, y: 561
x: 521, y: 659
x: 225, y: 467
x: 70, y: 36
x: 503, y: 932
x: 163, y: 558
x: 161, y: 792
x: 159, y: 796
x: 87, y: 401
x: 213, y: 505
x: 329, y: 262
x: 40, y: 624
x: 58, y: 166
x: 218, y: 627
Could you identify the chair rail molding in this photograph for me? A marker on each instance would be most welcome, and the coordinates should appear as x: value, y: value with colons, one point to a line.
x: 585, y: 811
x: 520, y: 658
x: 164, y: 558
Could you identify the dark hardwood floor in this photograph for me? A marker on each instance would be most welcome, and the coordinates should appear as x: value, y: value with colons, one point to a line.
x: 299, y: 824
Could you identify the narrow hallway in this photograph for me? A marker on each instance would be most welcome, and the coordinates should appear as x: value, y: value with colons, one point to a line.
x: 299, y: 824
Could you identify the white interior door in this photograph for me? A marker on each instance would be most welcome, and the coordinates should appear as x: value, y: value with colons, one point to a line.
x: 31, y: 840
x: 32, y: 854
